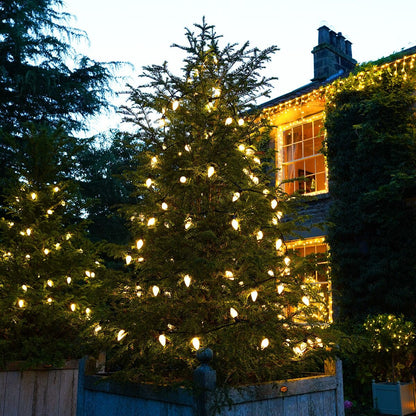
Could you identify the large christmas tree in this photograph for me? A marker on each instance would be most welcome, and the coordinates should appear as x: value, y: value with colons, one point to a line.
x: 209, y: 266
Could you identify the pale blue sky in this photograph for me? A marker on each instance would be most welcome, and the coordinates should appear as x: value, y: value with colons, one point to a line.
x: 142, y: 31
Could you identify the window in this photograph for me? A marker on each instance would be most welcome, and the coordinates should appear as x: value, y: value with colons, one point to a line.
x: 301, y: 157
x: 320, y: 275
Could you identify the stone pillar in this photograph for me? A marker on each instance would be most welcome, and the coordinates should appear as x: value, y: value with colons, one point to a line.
x: 205, y: 381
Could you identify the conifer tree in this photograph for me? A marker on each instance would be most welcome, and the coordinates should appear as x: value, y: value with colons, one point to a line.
x: 49, y: 272
x: 209, y: 265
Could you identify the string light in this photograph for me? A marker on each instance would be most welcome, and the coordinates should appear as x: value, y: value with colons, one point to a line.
x: 273, y: 203
x: 264, y: 343
x: 49, y: 283
x: 187, y: 147
x: 149, y: 182
x: 155, y: 290
x: 254, y: 295
x: 235, y: 224
x: 228, y: 121
x: 229, y: 275
x: 233, y: 313
x: 121, y: 334
x: 182, y: 179
x: 164, y: 206
x: 279, y: 243
x: 21, y: 303
x: 73, y: 307
x: 153, y: 161
x: 259, y: 235
x: 187, y: 280
x: 236, y: 196
x: 305, y: 300
x: 211, y: 171
x: 280, y: 288
x: 139, y: 244
x: 56, y: 189
x: 128, y: 259
x: 151, y: 222
x: 175, y: 105
x: 195, y: 343
x: 68, y: 280
x: 241, y: 122
x: 270, y: 273
x: 162, y: 340
x: 24, y: 288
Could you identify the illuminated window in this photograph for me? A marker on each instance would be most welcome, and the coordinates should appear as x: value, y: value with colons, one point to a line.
x: 318, y: 275
x: 301, y: 158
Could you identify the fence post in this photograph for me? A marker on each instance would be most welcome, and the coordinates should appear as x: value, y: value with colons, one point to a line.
x: 81, y: 387
x: 340, y: 388
x: 205, y: 380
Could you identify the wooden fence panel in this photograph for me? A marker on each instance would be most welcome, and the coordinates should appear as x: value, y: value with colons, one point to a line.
x: 39, y: 392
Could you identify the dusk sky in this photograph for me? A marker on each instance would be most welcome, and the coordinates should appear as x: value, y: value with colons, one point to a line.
x: 142, y: 32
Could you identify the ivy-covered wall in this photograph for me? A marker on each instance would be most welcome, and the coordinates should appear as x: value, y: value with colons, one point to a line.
x: 371, y: 156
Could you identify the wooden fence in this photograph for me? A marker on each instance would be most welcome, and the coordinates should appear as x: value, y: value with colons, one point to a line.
x: 39, y: 392
x: 312, y: 396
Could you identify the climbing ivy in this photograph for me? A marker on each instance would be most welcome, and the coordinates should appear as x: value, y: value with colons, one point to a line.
x: 371, y: 156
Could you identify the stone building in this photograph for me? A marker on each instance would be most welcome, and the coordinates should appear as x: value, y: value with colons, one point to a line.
x: 298, y: 135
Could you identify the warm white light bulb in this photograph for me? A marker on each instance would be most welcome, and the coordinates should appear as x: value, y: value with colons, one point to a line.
x: 233, y: 313
x: 128, y: 259
x: 164, y: 206
x: 254, y: 295
x: 49, y: 300
x: 68, y: 280
x: 46, y: 251
x: 162, y: 340
x: 121, y: 334
x: 279, y: 243
x: 153, y: 161
x: 229, y: 275
x: 241, y: 147
x: 24, y: 288
x: 187, y: 147
x: 228, y: 121
x: 287, y: 261
x: 236, y: 196
x: 73, y: 306
x: 151, y: 222
x: 175, y: 105
x: 280, y: 288
x: 139, y: 244
x: 257, y: 160
x: 56, y: 189
x: 49, y: 211
x: 188, y: 223
x: 270, y: 273
x: 49, y: 283
x: 182, y: 179
x: 234, y: 224
x: 187, y: 280
x: 155, y: 290
x: 259, y: 235
x: 211, y: 171
x: 21, y: 303
x: 273, y: 203
x: 195, y: 343
x: 264, y: 343
x: 28, y: 231
x: 305, y: 300
x: 240, y: 122
x: 149, y: 182
x: 33, y: 195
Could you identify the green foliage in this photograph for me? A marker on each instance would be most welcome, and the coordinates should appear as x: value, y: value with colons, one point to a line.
x: 104, y: 187
x: 391, y: 343
x: 49, y: 274
x: 370, y: 149
x: 205, y: 228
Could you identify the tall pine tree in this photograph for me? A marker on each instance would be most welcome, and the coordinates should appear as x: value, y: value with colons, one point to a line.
x: 209, y: 265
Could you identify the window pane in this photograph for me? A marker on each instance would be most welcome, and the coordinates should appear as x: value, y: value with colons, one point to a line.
x: 308, y: 148
x: 317, y: 128
x: 318, y: 144
x: 287, y: 137
x: 297, y: 134
x: 307, y: 131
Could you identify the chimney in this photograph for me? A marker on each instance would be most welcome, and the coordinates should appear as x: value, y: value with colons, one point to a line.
x: 332, y: 55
